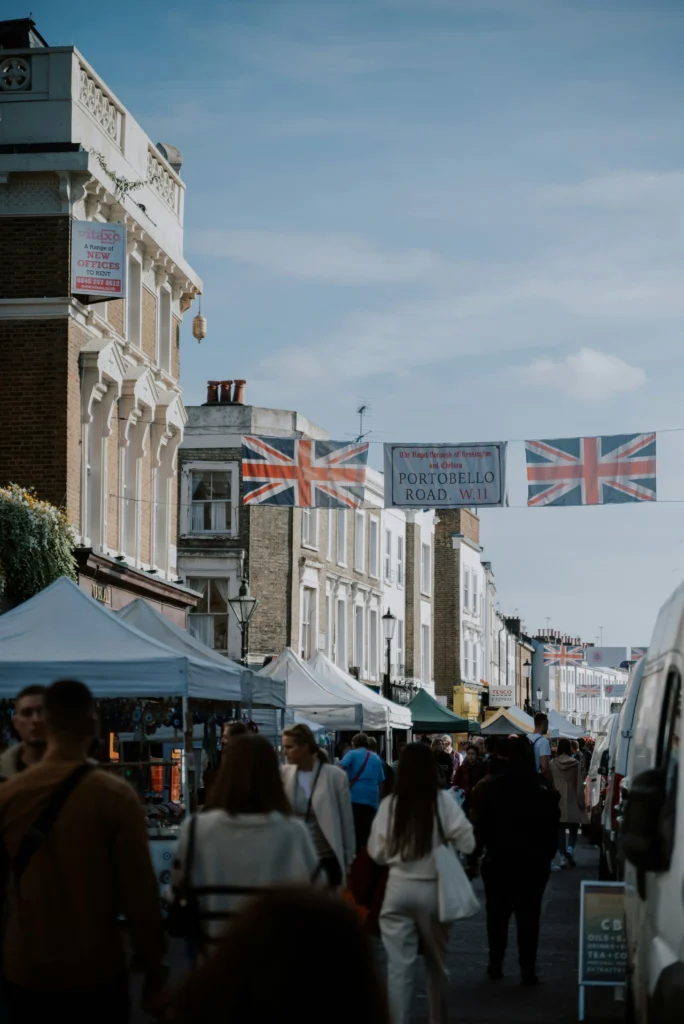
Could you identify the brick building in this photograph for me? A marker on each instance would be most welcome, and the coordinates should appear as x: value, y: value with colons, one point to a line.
x: 323, y: 577
x: 91, y: 413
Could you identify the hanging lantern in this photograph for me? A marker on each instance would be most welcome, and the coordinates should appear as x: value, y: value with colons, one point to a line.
x: 199, y: 327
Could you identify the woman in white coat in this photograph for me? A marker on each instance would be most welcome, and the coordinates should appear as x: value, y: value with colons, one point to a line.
x: 410, y: 824
x: 319, y: 795
x: 245, y: 842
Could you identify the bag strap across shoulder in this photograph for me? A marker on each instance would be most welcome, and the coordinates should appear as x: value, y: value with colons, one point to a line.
x: 42, y: 826
x: 361, y: 770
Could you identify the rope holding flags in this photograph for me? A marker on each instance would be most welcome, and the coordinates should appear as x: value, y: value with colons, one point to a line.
x: 299, y: 472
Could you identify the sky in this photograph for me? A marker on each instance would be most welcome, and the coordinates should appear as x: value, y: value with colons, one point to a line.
x: 467, y: 213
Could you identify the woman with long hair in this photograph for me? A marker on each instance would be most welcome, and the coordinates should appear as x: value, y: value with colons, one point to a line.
x: 292, y: 948
x: 244, y: 842
x: 567, y: 778
x: 517, y: 827
x: 319, y: 795
x: 410, y: 825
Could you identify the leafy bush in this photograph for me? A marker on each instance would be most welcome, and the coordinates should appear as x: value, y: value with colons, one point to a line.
x: 36, y: 544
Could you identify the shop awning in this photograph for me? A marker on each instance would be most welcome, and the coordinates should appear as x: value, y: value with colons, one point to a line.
x: 431, y: 716
x: 62, y: 633
x: 264, y: 690
x: 378, y: 712
x: 507, y: 721
x: 324, y: 703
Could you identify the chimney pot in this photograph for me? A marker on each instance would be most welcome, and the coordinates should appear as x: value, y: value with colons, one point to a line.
x: 225, y: 392
x: 212, y: 392
x: 239, y: 393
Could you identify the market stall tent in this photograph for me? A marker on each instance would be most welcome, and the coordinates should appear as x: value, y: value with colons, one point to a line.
x: 378, y: 712
x: 507, y: 721
x: 326, y: 704
x: 430, y: 716
x: 561, y: 727
x: 263, y: 690
x: 62, y: 633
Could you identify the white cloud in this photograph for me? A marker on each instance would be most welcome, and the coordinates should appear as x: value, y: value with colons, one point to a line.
x: 637, y: 192
x: 587, y: 375
x: 339, y: 257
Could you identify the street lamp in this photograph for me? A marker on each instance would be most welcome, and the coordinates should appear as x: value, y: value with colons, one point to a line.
x: 243, y: 606
x: 540, y: 694
x: 389, y: 623
x: 547, y: 706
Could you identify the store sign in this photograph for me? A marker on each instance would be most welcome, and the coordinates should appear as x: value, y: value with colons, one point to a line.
x: 603, y: 944
x: 98, y: 259
x: 444, y: 475
x: 616, y: 690
x: 501, y: 696
x: 605, y: 657
x: 102, y: 593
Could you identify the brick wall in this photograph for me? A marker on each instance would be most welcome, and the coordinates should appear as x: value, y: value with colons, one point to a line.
x: 113, y: 451
x: 34, y: 257
x: 149, y: 324
x: 447, y: 597
x: 175, y: 347
x: 115, y: 315
x: 34, y: 356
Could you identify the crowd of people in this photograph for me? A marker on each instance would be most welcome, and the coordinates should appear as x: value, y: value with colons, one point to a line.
x: 260, y: 871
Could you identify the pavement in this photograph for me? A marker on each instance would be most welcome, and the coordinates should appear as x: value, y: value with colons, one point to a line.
x: 475, y: 999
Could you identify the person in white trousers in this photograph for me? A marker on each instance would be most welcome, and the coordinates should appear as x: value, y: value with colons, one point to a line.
x: 410, y: 824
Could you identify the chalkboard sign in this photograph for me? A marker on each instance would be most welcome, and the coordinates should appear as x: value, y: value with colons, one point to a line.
x: 603, y: 943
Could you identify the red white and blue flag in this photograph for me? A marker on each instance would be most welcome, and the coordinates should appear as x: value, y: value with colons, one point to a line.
x: 591, y: 470
x: 559, y: 654
x: 308, y: 474
x: 638, y: 653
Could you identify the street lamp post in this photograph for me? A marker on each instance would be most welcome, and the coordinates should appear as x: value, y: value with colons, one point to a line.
x: 389, y: 623
x: 243, y: 606
x: 540, y: 694
x: 547, y: 706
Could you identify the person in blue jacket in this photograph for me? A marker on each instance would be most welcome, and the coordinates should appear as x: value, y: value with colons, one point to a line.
x: 366, y: 776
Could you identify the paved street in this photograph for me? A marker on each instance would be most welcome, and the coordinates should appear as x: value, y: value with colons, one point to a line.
x: 475, y: 1000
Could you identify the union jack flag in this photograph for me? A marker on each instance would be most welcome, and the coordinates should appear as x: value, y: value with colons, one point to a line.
x: 588, y: 690
x: 638, y: 653
x: 591, y: 470
x: 559, y: 654
x: 309, y: 474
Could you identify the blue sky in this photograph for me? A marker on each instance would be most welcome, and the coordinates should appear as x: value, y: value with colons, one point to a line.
x: 468, y: 212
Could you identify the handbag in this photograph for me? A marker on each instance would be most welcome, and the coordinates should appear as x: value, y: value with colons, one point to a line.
x: 183, y: 916
x: 455, y: 895
x: 366, y: 889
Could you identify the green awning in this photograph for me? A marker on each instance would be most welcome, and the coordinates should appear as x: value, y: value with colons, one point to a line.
x: 431, y: 716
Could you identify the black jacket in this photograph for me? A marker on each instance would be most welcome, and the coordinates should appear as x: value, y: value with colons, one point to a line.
x: 517, y: 819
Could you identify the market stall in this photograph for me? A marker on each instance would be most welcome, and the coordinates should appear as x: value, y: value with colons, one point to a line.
x: 379, y: 714
x: 327, y: 703
x: 507, y: 721
x: 561, y: 727
x: 430, y: 716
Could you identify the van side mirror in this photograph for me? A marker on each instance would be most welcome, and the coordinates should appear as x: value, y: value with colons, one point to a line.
x: 604, y: 763
x: 642, y: 839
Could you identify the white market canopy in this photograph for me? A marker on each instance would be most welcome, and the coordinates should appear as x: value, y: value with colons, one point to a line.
x: 507, y: 721
x: 561, y: 727
x: 62, y: 633
x: 323, y: 703
x: 378, y: 712
x: 261, y: 690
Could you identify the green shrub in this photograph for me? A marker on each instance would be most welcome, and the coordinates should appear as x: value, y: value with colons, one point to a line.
x: 36, y: 544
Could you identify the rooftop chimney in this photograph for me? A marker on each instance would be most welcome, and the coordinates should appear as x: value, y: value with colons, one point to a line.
x: 225, y: 398
x: 212, y: 392
x: 239, y: 393
x: 20, y: 34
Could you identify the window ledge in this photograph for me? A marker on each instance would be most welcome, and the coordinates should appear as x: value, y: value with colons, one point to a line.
x: 310, y: 547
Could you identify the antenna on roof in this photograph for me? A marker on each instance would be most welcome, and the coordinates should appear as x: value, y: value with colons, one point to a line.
x: 363, y: 409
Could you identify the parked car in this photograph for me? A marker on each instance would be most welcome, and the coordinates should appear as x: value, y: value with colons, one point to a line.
x: 652, y: 830
x: 596, y: 780
x: 611, y: 862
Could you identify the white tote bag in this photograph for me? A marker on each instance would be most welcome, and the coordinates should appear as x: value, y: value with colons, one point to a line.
x: 456, y: 896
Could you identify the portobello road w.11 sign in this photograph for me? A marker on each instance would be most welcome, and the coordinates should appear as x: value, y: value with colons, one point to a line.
x: 445, y: 475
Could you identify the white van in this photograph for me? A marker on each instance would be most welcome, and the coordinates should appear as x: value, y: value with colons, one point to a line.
x: 652, y: 834
x: 611, y: 864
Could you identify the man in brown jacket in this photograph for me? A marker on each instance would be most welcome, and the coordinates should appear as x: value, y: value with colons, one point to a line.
x: 64, y: 954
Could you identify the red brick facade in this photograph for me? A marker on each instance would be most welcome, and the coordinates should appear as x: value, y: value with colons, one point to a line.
x: 34, y: 257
